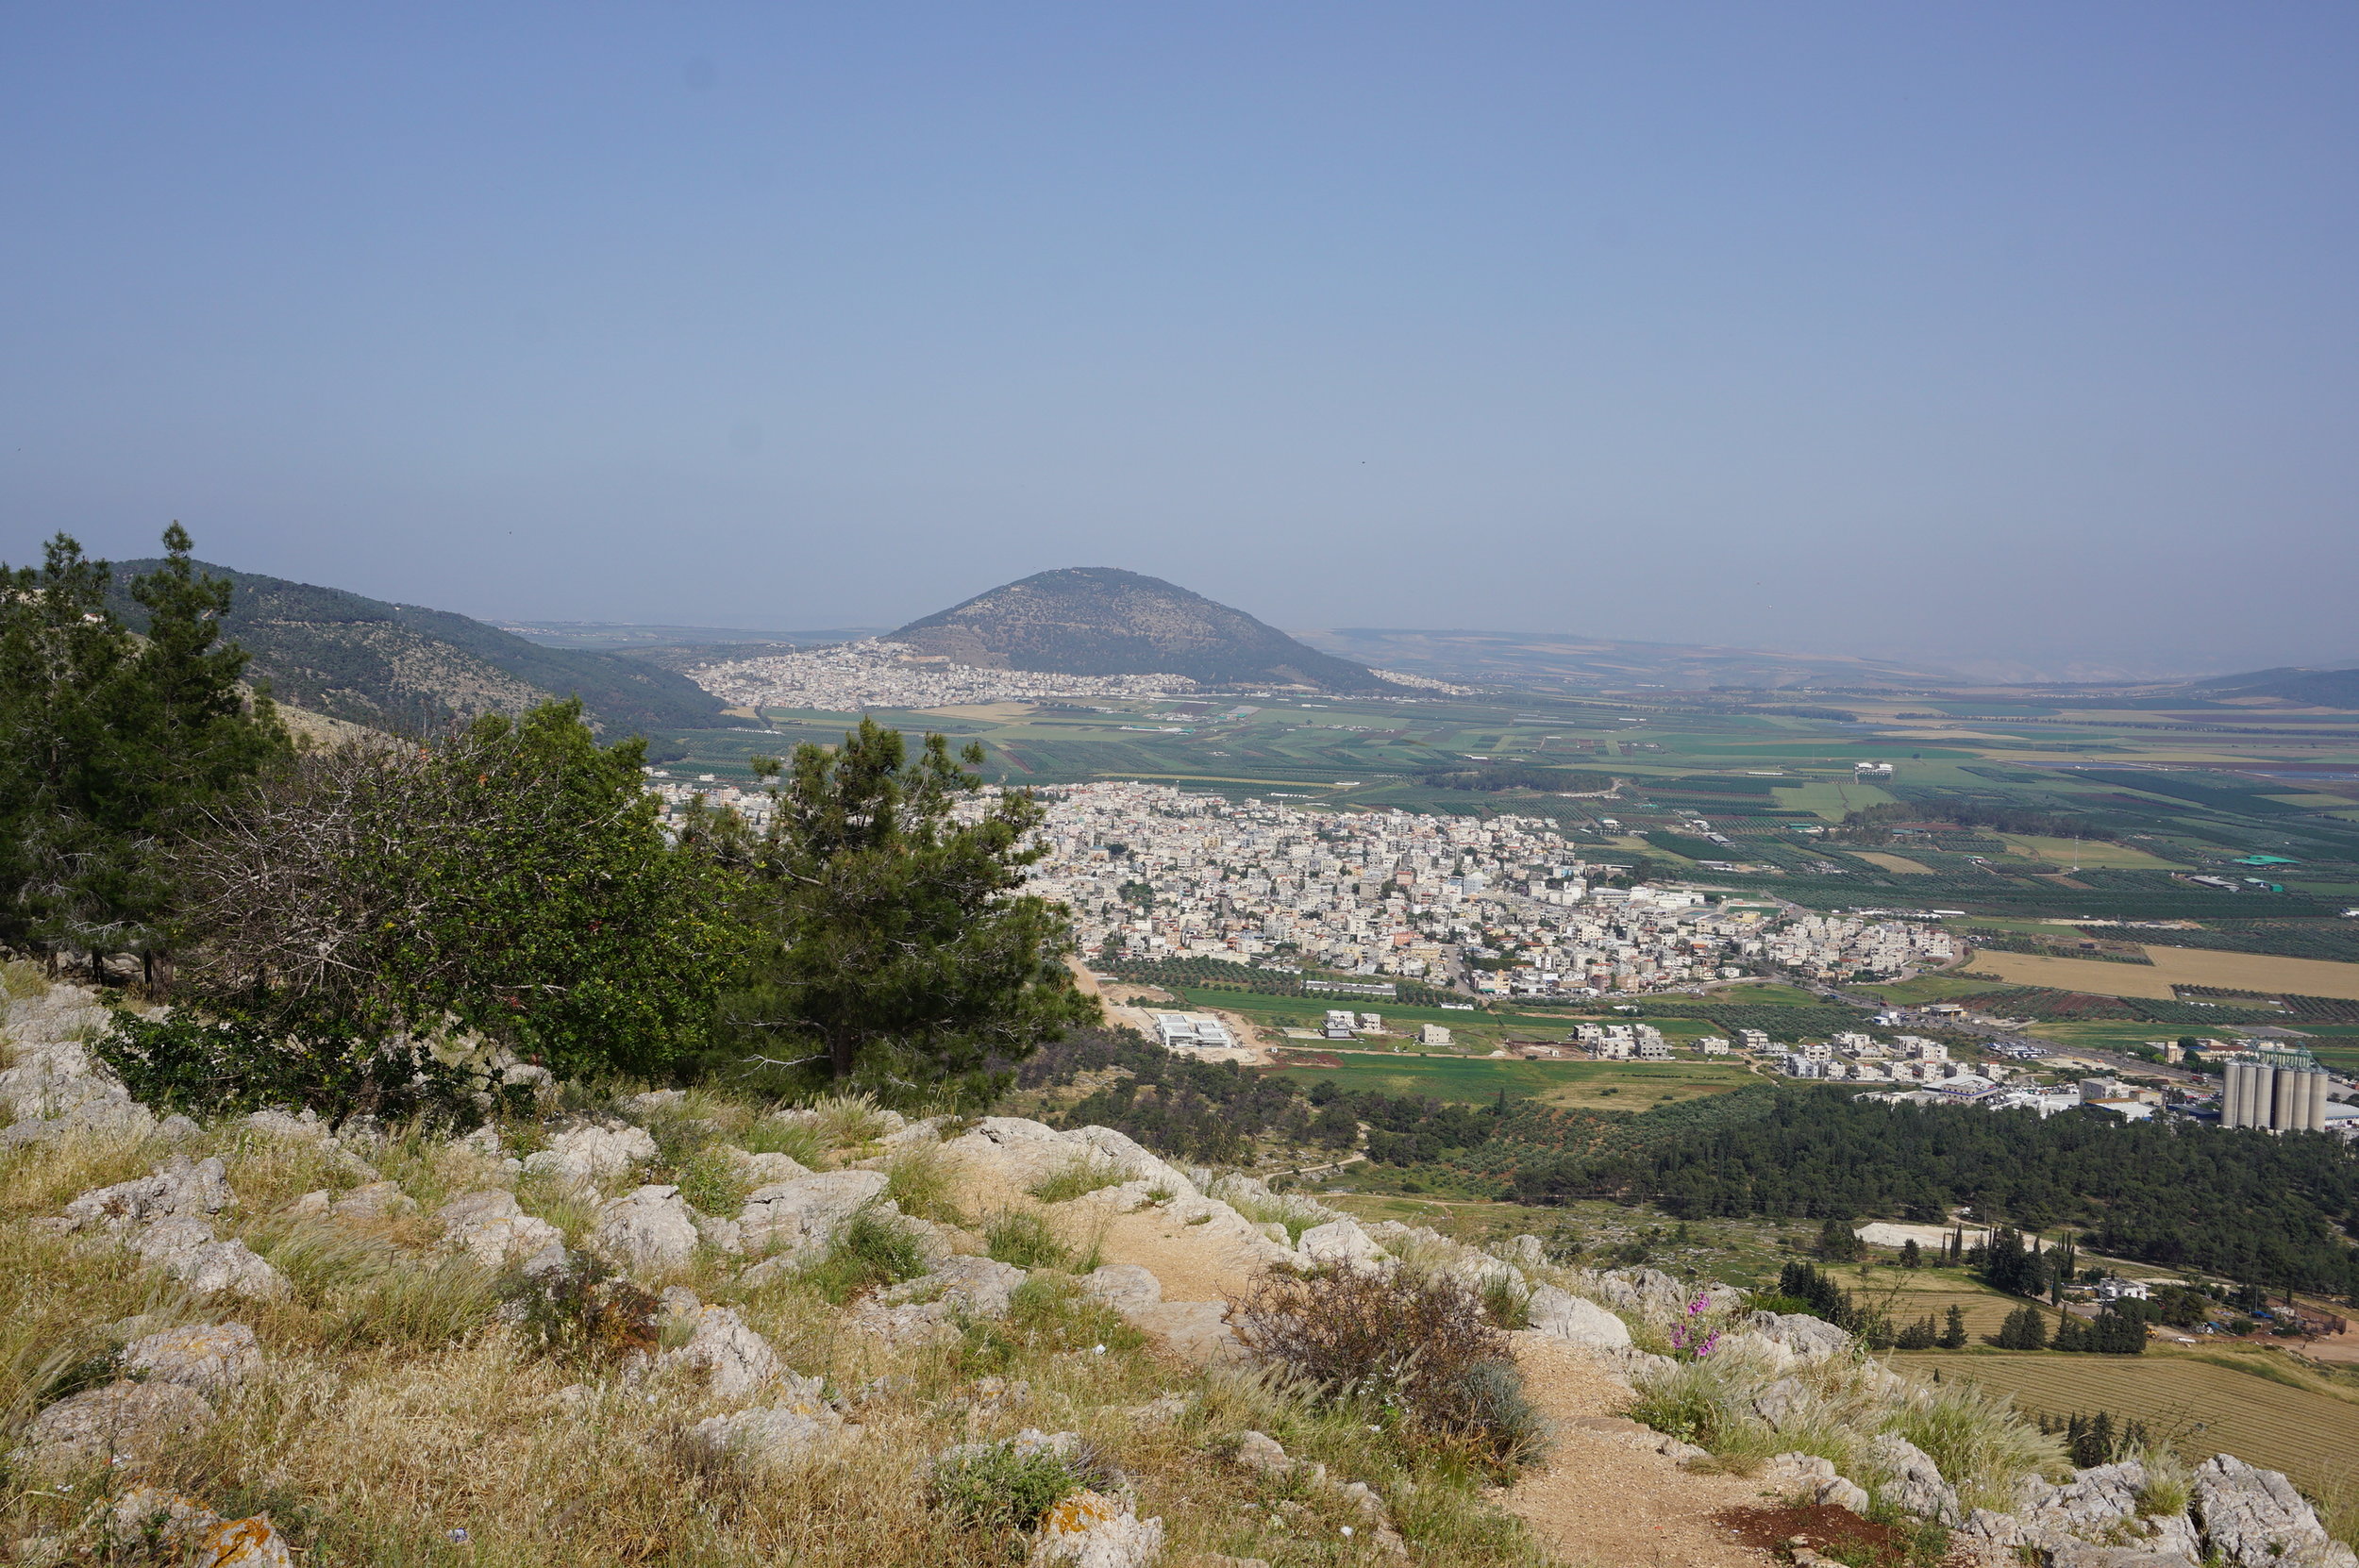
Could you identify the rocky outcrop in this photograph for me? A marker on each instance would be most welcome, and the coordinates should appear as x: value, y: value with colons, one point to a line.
x: 1561, y: 1315
x: 647, y: 1230
x: 187, y: 1251
x: 1125, y: 1286
x: 492, y: 1228
x: 2254, y: 1518
x: 122, y: 1425
x: 803, y: 1215
x: 210, y: 1357
x: 734, y: 1360
x: 588, y: 1154
x: 179, y: 1188
x: 800, y: 1423
x: 1095, y: 1529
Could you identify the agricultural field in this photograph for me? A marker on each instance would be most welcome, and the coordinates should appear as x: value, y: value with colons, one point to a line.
x: 1582, y: 1085
x: 2087, y: 852
x: 1929, y: 988
x: 2192, y: 966
x: 2258, y: 1404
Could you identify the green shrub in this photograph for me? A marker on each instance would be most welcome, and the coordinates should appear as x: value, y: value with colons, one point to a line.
x: 1004, y: 1488
x: 1400, y: 1340
x: 581, y: 1310
x: 228, y: 1066
x: 1024, y: 1238
x: 712, y: 1182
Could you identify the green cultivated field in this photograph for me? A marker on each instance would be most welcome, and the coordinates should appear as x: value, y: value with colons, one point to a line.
x: 1589, y: 1085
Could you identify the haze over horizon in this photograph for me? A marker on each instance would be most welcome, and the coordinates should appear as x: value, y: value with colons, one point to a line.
x: 1995, y: 336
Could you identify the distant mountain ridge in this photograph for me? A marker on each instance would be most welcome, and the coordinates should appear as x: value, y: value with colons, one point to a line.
x: 2309, y: 688
x: 404, y: 667
x: 1567, y: 660
x: 1103, y: 620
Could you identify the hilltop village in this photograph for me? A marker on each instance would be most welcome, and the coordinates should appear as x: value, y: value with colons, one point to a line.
x: 848, y: 678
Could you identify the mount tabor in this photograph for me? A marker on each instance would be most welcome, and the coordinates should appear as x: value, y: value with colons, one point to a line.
x: 1099, y: 621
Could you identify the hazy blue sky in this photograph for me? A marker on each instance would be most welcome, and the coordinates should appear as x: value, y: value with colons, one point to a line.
x: 2010, y: 331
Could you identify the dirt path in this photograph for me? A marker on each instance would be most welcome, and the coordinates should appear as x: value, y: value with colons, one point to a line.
x: 1603, y: 1502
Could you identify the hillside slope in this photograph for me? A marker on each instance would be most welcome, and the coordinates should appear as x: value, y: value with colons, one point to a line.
x: 1101, y: 620
x: 404, y: 667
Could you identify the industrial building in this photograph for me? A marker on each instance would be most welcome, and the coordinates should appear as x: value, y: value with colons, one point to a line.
x: 2282, y: 1089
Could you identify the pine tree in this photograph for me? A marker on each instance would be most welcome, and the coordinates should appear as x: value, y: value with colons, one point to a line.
x: 1953, y: 1330
x: 895, y: 949
x: 115, y: 746
x: 1912, y: 1255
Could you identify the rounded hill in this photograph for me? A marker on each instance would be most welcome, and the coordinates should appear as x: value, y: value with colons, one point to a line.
x: 1103, y: 620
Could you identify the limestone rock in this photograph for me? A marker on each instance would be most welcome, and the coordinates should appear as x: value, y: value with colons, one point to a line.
x: 242, y: 1544
x: 56, y: 1079
x: 773, y: 1439
x: 126, y: 1424
x: 1843, y: 1493
x: 210, y: 1356
x: 1778, y: 1403
x: 1808, y: 1338
x: 1339, y: 1241
x: 494, y: 1229
x: 118, y: 1116
x: 299, y: 1127
x: 375, y: 1200
x: 167, y: 1517
x: 1525, y: 1251
x: 655, y: 1102
x: 179, y: 1188
x: 734, y: 1359
x: 1263, y: 1454
x: 1125, y: 1286
x: 649, y: 1229
x: 184, y: 1248
x: 1915, y: 1483
x: 721, y: 1235
x: 1096, y: 1530
x: 765, y: 1169
x: 1794, y: 1472
x: 2253, y: 1517
x: 805, y: 1213
x: 593, y: 1153
x: 1563, y: 1315
x: 975, y: 1287
x: 2079, y: 1555
x: 1195, y: 1332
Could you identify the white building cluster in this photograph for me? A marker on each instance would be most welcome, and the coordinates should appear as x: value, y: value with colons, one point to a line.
x: 845, y: 677
x: 1504, y: 904
x: 754, y: 805
x: 1827, y: 946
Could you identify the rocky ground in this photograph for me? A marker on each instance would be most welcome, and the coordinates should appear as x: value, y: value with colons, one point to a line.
x: 680, y: 1328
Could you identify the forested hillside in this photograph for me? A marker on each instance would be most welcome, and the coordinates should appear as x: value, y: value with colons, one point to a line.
x: 2277, y: 1210
x: 405, y: 667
